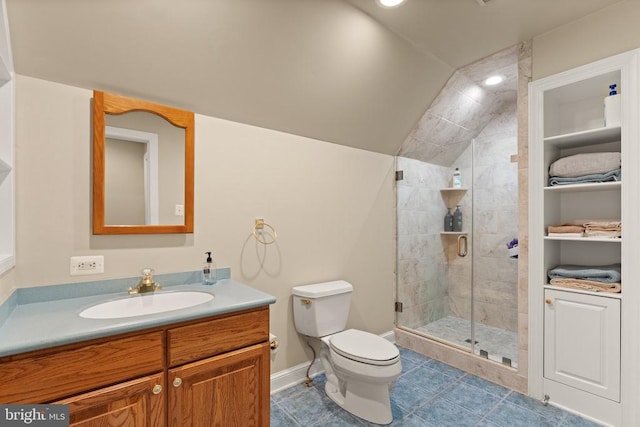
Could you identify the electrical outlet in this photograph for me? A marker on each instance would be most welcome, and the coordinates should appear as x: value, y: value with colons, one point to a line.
x: 83, y: 265
x: 179, y: 210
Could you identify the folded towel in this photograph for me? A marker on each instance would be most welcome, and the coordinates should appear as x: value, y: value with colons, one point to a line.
x: 587, y: 285
x: 603, y: 234
x: 605, y: 273
x: 565, y: 234
x: 585, y: 164
x: 603, y: 229
x: 611, y: 176
x: 565, y: 229
x: 603, y: 225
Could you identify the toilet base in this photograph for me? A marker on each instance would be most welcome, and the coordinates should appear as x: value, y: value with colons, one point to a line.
x: 367, y: 401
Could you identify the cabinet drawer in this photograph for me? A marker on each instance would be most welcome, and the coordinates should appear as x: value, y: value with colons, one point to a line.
x: 40, y: 379
x: 197, y: 341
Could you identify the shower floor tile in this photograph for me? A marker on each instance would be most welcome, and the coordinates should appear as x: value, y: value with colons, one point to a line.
x: 496, y: 342
x: 427, y: 394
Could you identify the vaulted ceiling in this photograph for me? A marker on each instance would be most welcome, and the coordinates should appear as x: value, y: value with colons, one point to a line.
x: 343, y: 71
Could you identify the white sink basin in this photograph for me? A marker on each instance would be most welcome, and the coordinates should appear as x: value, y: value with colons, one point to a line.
x: 142, y: 305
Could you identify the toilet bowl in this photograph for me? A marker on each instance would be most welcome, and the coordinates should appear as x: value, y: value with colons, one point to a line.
x: 360, y: 367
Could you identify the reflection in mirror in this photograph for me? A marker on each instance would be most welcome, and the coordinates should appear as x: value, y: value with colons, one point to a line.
x: 131, y: 176
x: 143, y: 167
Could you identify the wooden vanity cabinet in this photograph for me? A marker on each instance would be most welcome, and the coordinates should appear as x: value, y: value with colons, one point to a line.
x: 208, y: 372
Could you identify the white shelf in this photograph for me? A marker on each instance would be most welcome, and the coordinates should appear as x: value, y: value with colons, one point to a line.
x: 585, y: 239
x: 453, y: 233
x: 617, y: 295
x: 453, y: 190
x: 577, y: 188
x: 586, y: 137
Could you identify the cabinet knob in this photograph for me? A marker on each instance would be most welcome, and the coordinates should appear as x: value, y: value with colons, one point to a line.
x: 548, y: 301
x: 157, y: 389
x: 177, y: 382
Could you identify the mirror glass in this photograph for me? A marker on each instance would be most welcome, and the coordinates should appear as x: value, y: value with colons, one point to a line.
x: 143, y: 167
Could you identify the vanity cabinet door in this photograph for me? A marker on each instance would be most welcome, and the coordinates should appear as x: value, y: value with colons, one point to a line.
x: 136, y: 403
x: 231, y: 389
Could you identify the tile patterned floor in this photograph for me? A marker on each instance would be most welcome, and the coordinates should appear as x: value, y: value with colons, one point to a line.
x: 427, y: 394
x: 498, y: 343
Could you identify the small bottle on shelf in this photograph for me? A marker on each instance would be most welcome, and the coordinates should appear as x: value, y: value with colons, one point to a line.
x: 457, y: 179
x: 448, y: 221
x: 457, y: 219
x: 612, y: 107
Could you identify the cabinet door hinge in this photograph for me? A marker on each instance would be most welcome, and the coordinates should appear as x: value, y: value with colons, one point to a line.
x: 398, y: 307
x: 399, y: 175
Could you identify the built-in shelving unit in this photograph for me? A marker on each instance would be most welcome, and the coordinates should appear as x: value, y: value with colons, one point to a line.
x: 7, y: 170
x: 568, y: 325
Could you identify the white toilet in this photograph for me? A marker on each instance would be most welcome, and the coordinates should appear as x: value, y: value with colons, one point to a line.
x: 360, y: 367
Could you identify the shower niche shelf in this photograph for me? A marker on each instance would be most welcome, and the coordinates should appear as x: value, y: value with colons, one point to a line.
x: 452, y: 196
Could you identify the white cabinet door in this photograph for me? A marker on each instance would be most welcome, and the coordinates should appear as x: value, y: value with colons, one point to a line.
x: 582, y: 342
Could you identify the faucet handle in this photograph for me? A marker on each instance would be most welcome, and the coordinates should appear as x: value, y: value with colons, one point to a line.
x: 146, y: 284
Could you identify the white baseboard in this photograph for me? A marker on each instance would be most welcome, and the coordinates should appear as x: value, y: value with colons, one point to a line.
x: 294, y: 376
x: 298, y: 374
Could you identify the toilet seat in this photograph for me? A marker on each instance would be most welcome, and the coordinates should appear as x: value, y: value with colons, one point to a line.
x: 364, y: 347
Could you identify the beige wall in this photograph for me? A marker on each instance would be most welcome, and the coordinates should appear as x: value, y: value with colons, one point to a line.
x: 331, y: 205
x: 607, y: 32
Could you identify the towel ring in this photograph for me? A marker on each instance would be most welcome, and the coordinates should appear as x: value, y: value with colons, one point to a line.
x: 257, y: 232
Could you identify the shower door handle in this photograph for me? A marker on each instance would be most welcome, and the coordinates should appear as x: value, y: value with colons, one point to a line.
x: 462, y: 248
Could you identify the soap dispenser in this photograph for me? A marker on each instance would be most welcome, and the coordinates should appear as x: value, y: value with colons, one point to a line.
x: 209, y: 270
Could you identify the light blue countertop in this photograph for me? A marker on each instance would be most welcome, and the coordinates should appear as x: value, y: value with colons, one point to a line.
x: 42, y: 324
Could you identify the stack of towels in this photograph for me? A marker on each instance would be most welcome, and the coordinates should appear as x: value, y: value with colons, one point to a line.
x: 605, y: 278
x: 586, y: 168
x: 608, y: 228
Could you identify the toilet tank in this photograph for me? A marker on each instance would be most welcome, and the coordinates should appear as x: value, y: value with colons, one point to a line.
x: 322, y: 308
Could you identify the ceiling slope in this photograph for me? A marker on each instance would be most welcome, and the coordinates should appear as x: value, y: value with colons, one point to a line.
x: 345, y: 72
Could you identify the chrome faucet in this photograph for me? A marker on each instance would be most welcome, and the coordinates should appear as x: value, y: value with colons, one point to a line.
x: 146, y: 284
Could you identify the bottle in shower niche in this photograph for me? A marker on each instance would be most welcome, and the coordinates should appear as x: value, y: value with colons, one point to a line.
x: 448, y: 221
x: 457, y: 219
x: 457, y: 179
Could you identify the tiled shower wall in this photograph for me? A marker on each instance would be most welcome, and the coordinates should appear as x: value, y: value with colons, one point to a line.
x: 433, y: 281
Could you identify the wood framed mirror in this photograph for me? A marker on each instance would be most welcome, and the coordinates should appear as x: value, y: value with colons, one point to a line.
x: 143, y: 157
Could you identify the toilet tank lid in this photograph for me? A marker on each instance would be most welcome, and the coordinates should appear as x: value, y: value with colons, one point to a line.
x: 319, y: 290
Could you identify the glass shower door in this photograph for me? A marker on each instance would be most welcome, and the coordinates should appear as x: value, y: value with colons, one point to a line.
x: 434, y: 265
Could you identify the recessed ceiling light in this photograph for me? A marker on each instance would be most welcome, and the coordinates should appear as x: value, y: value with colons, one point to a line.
x: 493, y: 80
x: 389, y: 3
